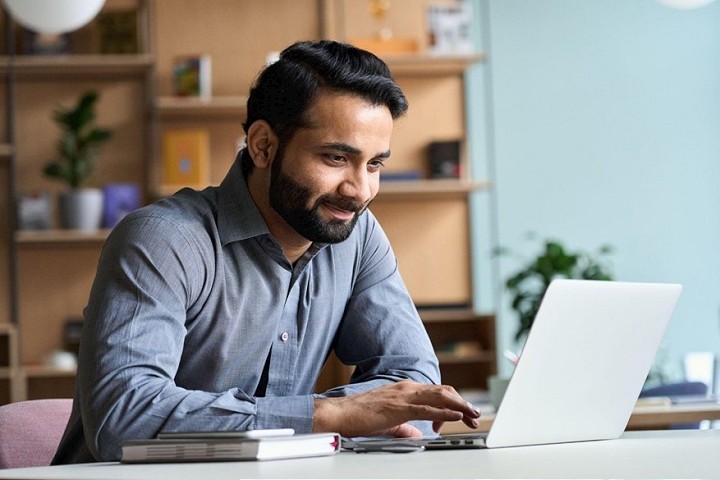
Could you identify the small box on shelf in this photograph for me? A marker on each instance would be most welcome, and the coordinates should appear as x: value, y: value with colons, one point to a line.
x: 191, y: 76
x: 34, y: 211
x: 444, y: 159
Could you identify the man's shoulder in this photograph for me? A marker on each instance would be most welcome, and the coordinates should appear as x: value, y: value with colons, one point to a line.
x: 187, y: 212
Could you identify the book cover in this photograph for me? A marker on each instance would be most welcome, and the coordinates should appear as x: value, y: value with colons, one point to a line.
x: 118, y: 31
x: 120, y: 199
x: 192, y: 76
x: 186, y: 158
x: 400, y: 176
x: 229, y: 448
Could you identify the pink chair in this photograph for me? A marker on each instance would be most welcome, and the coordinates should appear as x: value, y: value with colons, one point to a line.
x: 30, y: 431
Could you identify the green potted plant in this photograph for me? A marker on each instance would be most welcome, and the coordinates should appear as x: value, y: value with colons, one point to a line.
x: 527, y: 286
x: 80, y: 208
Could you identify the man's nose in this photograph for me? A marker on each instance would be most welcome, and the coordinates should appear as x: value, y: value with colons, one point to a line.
x: 357, y: 185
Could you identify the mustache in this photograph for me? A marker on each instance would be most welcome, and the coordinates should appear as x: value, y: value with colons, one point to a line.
x: 344, y: 203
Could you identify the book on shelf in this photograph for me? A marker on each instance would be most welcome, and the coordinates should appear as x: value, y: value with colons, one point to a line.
x: 228, y: 446
x: 186, y: 158
x: 401, y: 176
x: 119, y: 200
x: 192, y: 77
x: 118, y: 31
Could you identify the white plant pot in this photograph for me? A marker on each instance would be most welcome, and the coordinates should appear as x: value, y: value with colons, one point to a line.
x: 81, y: 209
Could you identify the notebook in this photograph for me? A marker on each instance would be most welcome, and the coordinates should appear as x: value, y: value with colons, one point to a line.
x: 583, y: 365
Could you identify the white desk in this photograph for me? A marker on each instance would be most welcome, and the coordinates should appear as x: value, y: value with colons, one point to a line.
x: 649, y: 454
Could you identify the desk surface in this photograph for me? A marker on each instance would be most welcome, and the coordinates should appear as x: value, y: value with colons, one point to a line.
x: 649, y: 454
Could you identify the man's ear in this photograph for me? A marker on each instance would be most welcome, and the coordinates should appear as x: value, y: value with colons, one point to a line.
x: 261, y: 143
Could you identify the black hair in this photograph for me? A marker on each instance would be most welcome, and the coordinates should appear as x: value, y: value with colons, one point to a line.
x: 284, y: 90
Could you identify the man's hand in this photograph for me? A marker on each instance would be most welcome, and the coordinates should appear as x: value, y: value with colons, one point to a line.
x: 386, y: 410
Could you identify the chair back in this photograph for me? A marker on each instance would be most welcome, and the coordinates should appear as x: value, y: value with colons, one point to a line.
x: 30, y: 431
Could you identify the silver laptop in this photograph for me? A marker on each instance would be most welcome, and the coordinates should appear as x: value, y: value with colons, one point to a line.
x: 583, y: 365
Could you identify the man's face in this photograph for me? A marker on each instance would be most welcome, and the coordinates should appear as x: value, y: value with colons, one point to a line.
x: 327, y: 174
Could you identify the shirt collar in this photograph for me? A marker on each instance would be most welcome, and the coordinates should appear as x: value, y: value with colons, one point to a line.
x: 238, y: 216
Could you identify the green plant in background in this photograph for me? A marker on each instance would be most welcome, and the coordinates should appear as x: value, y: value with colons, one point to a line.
x: 79, y: 144
x: 527, y: 286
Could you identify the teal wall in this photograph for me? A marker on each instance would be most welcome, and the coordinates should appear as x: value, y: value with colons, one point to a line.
x: 599, y: 123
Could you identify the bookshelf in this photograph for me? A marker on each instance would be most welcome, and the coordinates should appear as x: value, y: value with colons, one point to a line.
x: 51, y: 271
x: 56, y: 267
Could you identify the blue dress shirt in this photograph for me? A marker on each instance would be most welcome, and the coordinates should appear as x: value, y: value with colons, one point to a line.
x: 197, y: 321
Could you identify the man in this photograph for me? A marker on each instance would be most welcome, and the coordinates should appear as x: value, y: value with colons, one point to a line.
x: 216, y: 310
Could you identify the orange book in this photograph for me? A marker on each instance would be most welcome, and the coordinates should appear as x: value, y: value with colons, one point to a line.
x: 186, y: 158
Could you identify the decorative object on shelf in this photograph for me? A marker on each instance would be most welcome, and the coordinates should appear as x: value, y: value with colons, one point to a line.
x: 401, y: 176
x: 53, y: 16
x: 118, y: 32
x: 384, y: 42
x: 192, y: 76
x: 186, y: 158
x: 38, y: 43
x: 33, y: 211
x: 119, y: 200
x: 80, y: 208
x: 444, y: 159
x: 61, y: 360
x: 449, y: 28
x: 527, y: 286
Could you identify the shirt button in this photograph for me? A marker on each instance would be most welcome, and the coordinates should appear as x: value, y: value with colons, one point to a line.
x: 284, y: 336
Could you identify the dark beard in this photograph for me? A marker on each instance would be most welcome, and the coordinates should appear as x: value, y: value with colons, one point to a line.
x: 289, y: 199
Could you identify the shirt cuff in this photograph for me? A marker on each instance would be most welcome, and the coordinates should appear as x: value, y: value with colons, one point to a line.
x: 286, y: 412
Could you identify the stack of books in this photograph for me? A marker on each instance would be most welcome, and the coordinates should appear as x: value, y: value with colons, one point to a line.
x: 229, y: 446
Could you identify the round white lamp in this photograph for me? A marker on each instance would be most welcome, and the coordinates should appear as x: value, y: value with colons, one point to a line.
x: 53, y: 16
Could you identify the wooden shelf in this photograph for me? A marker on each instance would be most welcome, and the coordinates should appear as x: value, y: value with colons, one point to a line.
x: 27, y: 237
x: 163, y: 191
x: 430, y: 65
x: 452, y: 315
x: 235, y: 106
x: 42, y: 371
x: 6, y: 373
x: 454, y: 359
x: 71, y: 65
x: 400, y: 190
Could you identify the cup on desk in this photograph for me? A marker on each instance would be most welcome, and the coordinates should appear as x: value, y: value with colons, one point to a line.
x: 496, y: 389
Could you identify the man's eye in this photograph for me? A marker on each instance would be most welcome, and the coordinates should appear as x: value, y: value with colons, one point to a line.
x: 335, y: 158
x: 376, y: 165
